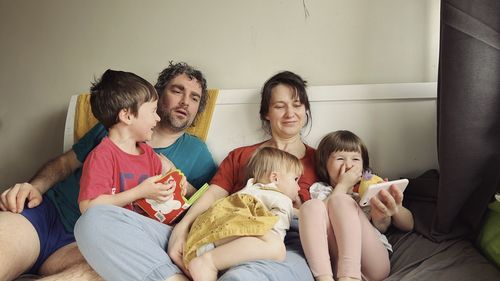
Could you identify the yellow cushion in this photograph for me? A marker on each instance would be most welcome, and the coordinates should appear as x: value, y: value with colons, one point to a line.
x: 203, y: 123
x: 85, y: 120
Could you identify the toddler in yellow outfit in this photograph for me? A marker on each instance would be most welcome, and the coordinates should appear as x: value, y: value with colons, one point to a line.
x: 261, y: 210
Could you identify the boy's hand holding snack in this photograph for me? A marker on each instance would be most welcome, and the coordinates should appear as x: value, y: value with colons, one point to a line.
x: 167, y: 167
x: 150, y: 188
x: 175, y: 204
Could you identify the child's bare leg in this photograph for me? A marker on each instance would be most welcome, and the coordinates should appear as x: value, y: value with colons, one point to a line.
x: 324, y: 278
x: 347, y: 279
x: 330, y: 278
x: 226, y: 240
x: 247, y: 248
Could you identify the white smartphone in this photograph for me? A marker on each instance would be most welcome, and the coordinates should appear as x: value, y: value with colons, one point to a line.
x: 375, y: 188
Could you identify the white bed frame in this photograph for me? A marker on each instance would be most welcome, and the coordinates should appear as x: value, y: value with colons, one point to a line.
x: 396, y: 121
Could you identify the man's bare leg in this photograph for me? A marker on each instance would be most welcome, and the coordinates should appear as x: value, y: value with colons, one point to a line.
x: 67, y: 263
x: 19, y: 243
x: 83, y: 271
x: 78, y: 272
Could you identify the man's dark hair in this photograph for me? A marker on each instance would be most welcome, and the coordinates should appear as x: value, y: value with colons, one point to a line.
x: 179, y: 68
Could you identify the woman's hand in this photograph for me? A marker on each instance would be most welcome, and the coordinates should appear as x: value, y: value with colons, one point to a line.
x: 176, y: 244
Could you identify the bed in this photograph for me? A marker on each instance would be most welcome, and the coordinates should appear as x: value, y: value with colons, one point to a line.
x: 398, y: 124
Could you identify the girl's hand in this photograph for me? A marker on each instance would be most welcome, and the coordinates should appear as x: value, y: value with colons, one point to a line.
x: 159, y: 192
x: 385, y: 205
x: 395, y: 212
x: 347, y: 179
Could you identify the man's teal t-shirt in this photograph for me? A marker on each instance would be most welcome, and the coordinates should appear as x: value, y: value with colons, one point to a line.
x: 188, y: 153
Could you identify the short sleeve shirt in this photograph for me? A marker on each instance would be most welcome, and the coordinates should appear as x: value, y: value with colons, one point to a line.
x: 110, y: 170
x: 188, y: 153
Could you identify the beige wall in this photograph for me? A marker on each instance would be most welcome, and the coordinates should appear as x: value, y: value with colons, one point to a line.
x: 52, y: 49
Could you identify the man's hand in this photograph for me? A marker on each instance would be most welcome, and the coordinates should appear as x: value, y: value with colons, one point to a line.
x: 14, y: 198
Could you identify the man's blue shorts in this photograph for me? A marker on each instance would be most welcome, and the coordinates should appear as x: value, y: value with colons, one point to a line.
x: 50, y: 229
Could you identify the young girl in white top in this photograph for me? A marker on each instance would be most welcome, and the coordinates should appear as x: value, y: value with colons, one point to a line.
x: 338, y: 238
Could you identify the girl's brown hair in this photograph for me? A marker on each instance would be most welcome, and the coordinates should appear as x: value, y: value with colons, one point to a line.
x: 341, y: 140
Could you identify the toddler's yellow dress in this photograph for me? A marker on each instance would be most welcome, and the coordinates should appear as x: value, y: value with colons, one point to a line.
x: 252, y: 211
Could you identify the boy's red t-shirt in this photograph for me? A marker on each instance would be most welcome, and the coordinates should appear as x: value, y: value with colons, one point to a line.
x: 231, y: 173
x: 109, y: 170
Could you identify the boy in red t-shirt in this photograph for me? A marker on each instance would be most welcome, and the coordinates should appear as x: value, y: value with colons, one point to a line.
x: 122, y: 168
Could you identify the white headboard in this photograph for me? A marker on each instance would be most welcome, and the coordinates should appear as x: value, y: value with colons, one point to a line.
x: 396, y: 121
x: 69, y: 126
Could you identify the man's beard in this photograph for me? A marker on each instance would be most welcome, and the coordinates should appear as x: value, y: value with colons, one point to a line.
x: 171, y: 122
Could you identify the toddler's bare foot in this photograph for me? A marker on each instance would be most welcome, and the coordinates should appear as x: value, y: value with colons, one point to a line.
x: 202, y: 268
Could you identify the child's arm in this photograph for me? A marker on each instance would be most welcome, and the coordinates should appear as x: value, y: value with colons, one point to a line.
x: 167, y: 166
x: 285, y: 212
x: 387, y: 207
x: 403, y: 219
x: 149, y: 189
